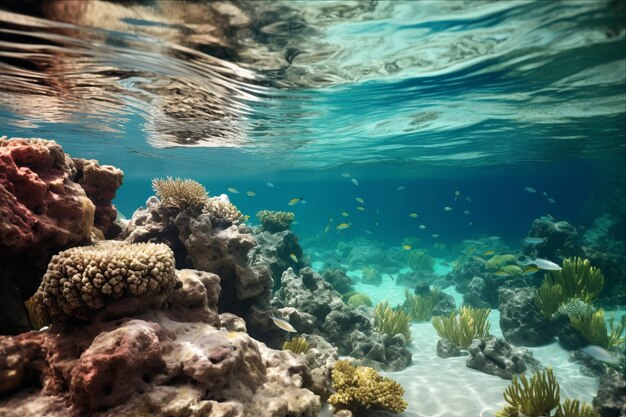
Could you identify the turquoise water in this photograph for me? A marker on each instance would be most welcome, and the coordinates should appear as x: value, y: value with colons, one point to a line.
x: 413, y: 107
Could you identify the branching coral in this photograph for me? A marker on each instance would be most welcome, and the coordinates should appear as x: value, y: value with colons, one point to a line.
x: 180, y: 193
x: 296, y: 345
x: 578, y: 279
x: 392, y: 322
x: 222, y: 212
x: 420, y: 261
x: 420, y: 307
x: 593, y: 328
x: 575, y: 408
x: 81, y: 280
x: 461, y: 328
x: 535, y: 398
x: 275, y: 221
x: 363, y: 387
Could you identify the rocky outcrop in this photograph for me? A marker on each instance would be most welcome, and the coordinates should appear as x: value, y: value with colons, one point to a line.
x: 44, y: 209
x: 520, y: 319
x: 559, y: 240
x: 338, y: 278
x: 380, y: 351
x: 497, y: 357
x: 611, y: 398
x: 447, y: 349
x: 275, y: 250
x: 171, y: 360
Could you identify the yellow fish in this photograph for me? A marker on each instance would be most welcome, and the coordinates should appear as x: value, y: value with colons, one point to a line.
x: 470, y: 250
x: 414, y: 215
x: 530, y: 270
x: 359, y: 199
x: 250, y: 193
x: 246, y: 217
x: 501, y: 273
x: 407, y: 247
x: 345, y: 213
x: 489, y: 252
x: 343, y: 226
x: 295, y: 201
x: 284, y: 324
x: 360, y: 208
x: 293, y: 257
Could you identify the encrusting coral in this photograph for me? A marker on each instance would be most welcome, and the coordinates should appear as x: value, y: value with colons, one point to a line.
x: 463, y: 327
x: 83, y: 279
x: 275, y: 221
x: 296, y: 345
x: 181, y: 193
x: 362, y: 387
x: 392, y: 322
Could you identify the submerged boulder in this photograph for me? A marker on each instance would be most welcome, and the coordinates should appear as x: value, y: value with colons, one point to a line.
x: 497, y: 357
x: 521, y: 321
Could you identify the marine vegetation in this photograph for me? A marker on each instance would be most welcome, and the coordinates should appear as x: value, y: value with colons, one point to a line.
x: 359, y: 299
x: 392, y: 321
x: 420, y: 261
x: 574, y: 408
x: 578, y: 279
x: 539, y: 397
x: 420, y: 307
x: 462, y: 327
x: 574, y: 307
x: 296, y: 345
x: 593, y: 328
x: 535, y: 398
x: 363, y: 387
x: 275, y: 221
x: 181, y: 193
x: 498, y: 261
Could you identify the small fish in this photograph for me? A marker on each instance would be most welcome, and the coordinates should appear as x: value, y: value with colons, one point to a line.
x: 529, y: 270
x: 534, y: 240
x: 377, y: 211
x: 369, y: 232
x: 434, y: 235
x: 407, y: 247
x: 343, y: 226
x: 545, y: 194
x: 346, y: 175
x: 250, y: 193
x: 354, y: 181
x: 457, y: 194
x: 284, y: 324
x: 446, y: 208
x: 414, y: 215
x: 269, y: 184
x: 501, y: 273
x: 246, y: 217
x: 233, y: 190
x: 489, y: 252
x: 376, y: 224
x: 467, y: 212
x: 599, y: 353
x: 360, y: 208
x: 470, y: 223
x: 295, y: 201
x: 360, y: 200
x: 493, y: 238
x: 468, y: 199
x: 327, y: 228
x: 400, y: 188
x: 542, y: 264
x: 471, y: 250
x: 551, y: 200
x: 530, y: 189
x: 478, y: 258
x: 345, y: 214
x: 293, y: 257
x: 422, y: 227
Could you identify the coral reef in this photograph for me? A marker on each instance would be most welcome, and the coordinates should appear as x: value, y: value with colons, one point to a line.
x: 222, y: 212
x: 181, y: 193
x: 164, y: 361
x: 362, y: 387
x: 275, y: 221
x: 48, y: 203
x: 462, y: 328
x: 521, y: 321
x: 497, y: 357
x: 82, y: 280
x: 274, y: 250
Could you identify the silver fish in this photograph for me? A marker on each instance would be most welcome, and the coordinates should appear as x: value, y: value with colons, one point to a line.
x: 534, y: 240
x: 284, y: 324
x: 599, y: 353
x: 542, y: 264
x: 354, y: 181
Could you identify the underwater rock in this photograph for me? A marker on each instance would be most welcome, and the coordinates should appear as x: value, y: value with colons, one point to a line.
x: 474, y: 294
x: 275, y: 250
x: 320, y: 358
x: 371, y: 276
x: 338, y: 278
x: 380, y: 351
x: 163, y: 361
x: 444, y: 304
x: 560, y: 240
x: 13, y: 314
x: 344, y: 321
x: 447, y: 349
x: 520, y: 319
x: 361, y: 252
x: 497, y: 357
x: 611, y: 398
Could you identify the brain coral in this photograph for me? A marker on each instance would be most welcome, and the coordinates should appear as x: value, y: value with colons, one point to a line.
x: 83, y: 279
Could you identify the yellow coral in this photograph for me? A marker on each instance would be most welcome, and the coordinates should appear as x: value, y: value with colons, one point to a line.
x: 180, y: 193
x: 296, y: 345
x: 275, y: 221
x: 363, y: 387
x: 535, y: 398
x: 462, y: 328
x: 392, y: 322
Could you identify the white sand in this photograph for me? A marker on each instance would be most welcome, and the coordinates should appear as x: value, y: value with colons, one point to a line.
x: 436, y: 387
